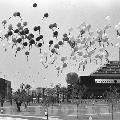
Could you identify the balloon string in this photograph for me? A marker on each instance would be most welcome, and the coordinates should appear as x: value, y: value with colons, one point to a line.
x: 27, y: 58
x: 45, y: 59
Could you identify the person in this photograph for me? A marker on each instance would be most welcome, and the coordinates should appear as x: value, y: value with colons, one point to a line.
x: 18, y: 105
x: 2, y: 102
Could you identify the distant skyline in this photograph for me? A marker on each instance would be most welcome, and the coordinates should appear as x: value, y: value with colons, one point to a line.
x: 66, y: 13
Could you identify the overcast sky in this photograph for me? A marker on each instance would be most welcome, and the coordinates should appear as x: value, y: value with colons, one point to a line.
x: 66, y: 13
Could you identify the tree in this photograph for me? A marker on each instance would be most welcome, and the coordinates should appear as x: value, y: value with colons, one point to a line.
x: 71, y: 78
x: 112, y: 96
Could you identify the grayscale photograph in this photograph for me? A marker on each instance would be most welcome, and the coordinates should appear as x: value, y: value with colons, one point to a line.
x: 59, y: 59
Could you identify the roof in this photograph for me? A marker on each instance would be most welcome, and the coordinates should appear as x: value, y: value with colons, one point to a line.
x: 112, y: 68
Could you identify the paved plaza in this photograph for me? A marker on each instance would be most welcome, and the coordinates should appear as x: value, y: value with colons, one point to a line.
x: 62, y: 112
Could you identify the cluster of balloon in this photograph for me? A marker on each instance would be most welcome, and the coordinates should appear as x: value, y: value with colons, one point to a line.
x: 82, y: 45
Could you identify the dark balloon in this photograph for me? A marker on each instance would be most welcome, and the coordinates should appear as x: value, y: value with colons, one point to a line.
x: 53, y: 50
x: 38, y: 38
x: 6, y: 35
x: 25, y: 43
x: 27, y: 53
x: 65, y: 35
x: 22, y: 32
x: 55, y: 25
x: 10, y: 33
x: 60, y: 43
x: 19, y: 24
x: 56, y: 46
x: 16, y: 31
x: 35, y: 28
x: 18, y: 14
x: 39, y: 45
x: 46, y: 15
x: 55, y: 34
x: 26, y: 30
x: 18, y: 48
x: 25, y: 23
x: 65, y: 39
x: 51, y: 42
x: 31, y: 35
x: 19, y: 40
x: 32, y: 42
x: 35, y: 5
x: 51, y: 26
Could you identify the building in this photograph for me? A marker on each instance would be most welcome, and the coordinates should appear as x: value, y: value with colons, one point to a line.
x: 5, y: 88
x: 101, y: 80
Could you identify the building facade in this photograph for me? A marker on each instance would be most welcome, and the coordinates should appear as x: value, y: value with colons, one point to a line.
x: 102, y: 79
x: 5, y: 88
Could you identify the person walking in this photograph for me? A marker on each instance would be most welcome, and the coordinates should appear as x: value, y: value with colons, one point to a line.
x: 18, y: 105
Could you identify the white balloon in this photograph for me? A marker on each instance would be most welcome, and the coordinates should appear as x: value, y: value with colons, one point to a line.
x: 70, y: 29
x: 108, y: 18
x: 116, y: 27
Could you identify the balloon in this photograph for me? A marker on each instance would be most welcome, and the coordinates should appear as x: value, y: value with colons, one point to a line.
x: 74, y: 58
x: 19, y: 40
x: 27, y: 53
x: 97, y: 56
x: 73, y: 53
x: 60, y: 43
x: 85, y: 56
x: 22, y: 32
x: 70, y: 29
x: 25, y: 44
x: 75, y: 48
x: 56, y: 46
x: 4, y: 22
x: 51, y: 42
x: 19, y: 24
x: 14, y: 40
x: 39, y: 45
x: 58, y: 68
x: 35, y: 28
x: 31, y: 35
x: 15, y: 14
x: 46, y: 15
x: 18, y: 48
x: 10, y: 33
x: 55, y: 34
x: 80, y: 53
x: 18, y: 14
x: 32, y: 42
x: 108, y: 18
x: 38, y: 38
x: 6, y: 35
x: 10, y: 27
x: 78, y: 40
x: 63, y: 59
x: 117, y: 27
x: 72, y: 39
x: 53, y: 50
x: 26, y: 30
x: 55, y: 25
x: 51, y: 26
x: 34, y: 4
x: 88, y: 27
x: 65, y: 35
x: 25, y: 23
x: 64, y: 65
x: 16, y: 31
x: 65, y: 39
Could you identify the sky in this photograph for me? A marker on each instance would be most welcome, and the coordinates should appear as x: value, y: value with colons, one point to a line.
x: 66, y: 13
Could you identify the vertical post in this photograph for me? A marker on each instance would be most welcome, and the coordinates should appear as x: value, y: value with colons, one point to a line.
x: 77, y: 110
x: 112, y: 111
x: 119, y: 53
